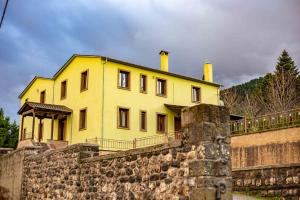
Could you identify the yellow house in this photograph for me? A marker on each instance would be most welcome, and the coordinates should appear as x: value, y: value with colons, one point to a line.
x: 99, y: 97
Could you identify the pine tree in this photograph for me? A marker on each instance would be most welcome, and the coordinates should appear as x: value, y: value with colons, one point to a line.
x: 282, y: 88
x: 275, y: 92
x: 285, y: 63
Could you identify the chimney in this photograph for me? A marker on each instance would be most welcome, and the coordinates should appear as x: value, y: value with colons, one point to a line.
x: 208, y: 72
x: 164, y: 60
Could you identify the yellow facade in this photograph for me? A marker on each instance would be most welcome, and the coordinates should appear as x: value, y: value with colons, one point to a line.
x: 103, y: 98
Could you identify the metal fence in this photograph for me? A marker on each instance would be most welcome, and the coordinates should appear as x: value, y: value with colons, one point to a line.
x: 273, y: 121
x: 117, y: 145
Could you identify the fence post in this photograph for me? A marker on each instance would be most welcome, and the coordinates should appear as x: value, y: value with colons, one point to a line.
x: 134, y: 143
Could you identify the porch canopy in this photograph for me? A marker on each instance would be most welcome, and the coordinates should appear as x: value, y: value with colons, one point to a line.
x: 177, y: 109
x: 41, y: 111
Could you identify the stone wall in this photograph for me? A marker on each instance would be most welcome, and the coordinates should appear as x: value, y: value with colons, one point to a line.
x: 275, y: 147
x: 266, y: 155
x: 197, y: 167
x: 267, y: 163
x: 11, y: 172
x: 272, y: 181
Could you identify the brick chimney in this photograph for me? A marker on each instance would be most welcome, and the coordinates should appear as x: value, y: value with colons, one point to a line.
x: 208, y: 72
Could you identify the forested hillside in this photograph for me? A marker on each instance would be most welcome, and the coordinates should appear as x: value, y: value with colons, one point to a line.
x: 275, y: 92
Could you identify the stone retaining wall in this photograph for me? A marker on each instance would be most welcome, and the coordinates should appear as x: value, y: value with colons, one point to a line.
x: 266, y: 155
x: 11, y: 172
x: 197, y: 167
x: 272, y: 181
x: 275, y: 147
x: 55, y: 174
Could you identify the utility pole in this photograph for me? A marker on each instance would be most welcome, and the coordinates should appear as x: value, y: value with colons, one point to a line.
x: 3, y: 14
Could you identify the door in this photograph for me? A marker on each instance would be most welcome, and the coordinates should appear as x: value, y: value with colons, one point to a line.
x: 62, y: 128
x: 177, y: 127
x: 177, y: 123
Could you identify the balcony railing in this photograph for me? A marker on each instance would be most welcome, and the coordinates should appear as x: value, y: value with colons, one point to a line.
x: 116, y: 145
x: 274, y: 121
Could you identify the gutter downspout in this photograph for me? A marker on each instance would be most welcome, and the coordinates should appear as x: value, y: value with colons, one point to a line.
x: 53, y: 92
x: 102, y: 113
x: 71, y: 127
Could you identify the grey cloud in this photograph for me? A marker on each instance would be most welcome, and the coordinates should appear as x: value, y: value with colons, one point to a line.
x: 241, y: 38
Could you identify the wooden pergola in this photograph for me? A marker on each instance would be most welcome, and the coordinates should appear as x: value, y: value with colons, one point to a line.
x: 42, y: 111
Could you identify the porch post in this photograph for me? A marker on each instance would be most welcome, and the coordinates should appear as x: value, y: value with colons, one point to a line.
x: 40, y: 130
x: 33, y: 123
x: 22, y: 125
x: 52, y: 125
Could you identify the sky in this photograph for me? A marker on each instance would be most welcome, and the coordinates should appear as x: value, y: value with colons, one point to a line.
x: 242, y: 39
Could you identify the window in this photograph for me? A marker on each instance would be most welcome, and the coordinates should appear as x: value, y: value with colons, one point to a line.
x: 43, y: 96
x: 143, y: 83
x: 84, y: 81
x: 161, y: 87
x: 195, y: 94
x: 123, y: 118
x: 63, y: 90
x: 143, y: 121
x: 82, y: 119
x: 161, y: 123
x: 124, y: 79
x: 26, y: 99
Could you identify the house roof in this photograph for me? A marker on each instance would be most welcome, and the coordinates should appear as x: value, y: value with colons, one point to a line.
x: 44, y: 107
x: 103, y: 58
x: 31, y: 83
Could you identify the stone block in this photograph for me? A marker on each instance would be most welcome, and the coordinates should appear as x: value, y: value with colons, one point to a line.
x: 204, y: 113
x: 201, y: 168
x: 197, y: 133
x: 203, y: 193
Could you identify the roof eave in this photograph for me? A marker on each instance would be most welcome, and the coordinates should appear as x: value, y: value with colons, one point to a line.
x: 159, y: 71
x: 30, y: 84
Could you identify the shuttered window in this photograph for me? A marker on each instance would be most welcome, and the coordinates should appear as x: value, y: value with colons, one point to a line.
x: 143, y: 83
x: 84, y: 81
x: 124, y: 79
x: 161, y: 87
x: 83, y: 119
x: 123, y: 118
x: 195, y: 94
x: 143, y: 121
x: 63, y: 90
x: 43, y: 96
x: 161, y: 123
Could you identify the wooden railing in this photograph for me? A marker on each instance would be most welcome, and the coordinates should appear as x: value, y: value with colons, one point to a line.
x: 116, y: 145
x: 274, y: 121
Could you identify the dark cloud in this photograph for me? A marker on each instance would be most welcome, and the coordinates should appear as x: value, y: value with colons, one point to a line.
x: 241, y: 38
